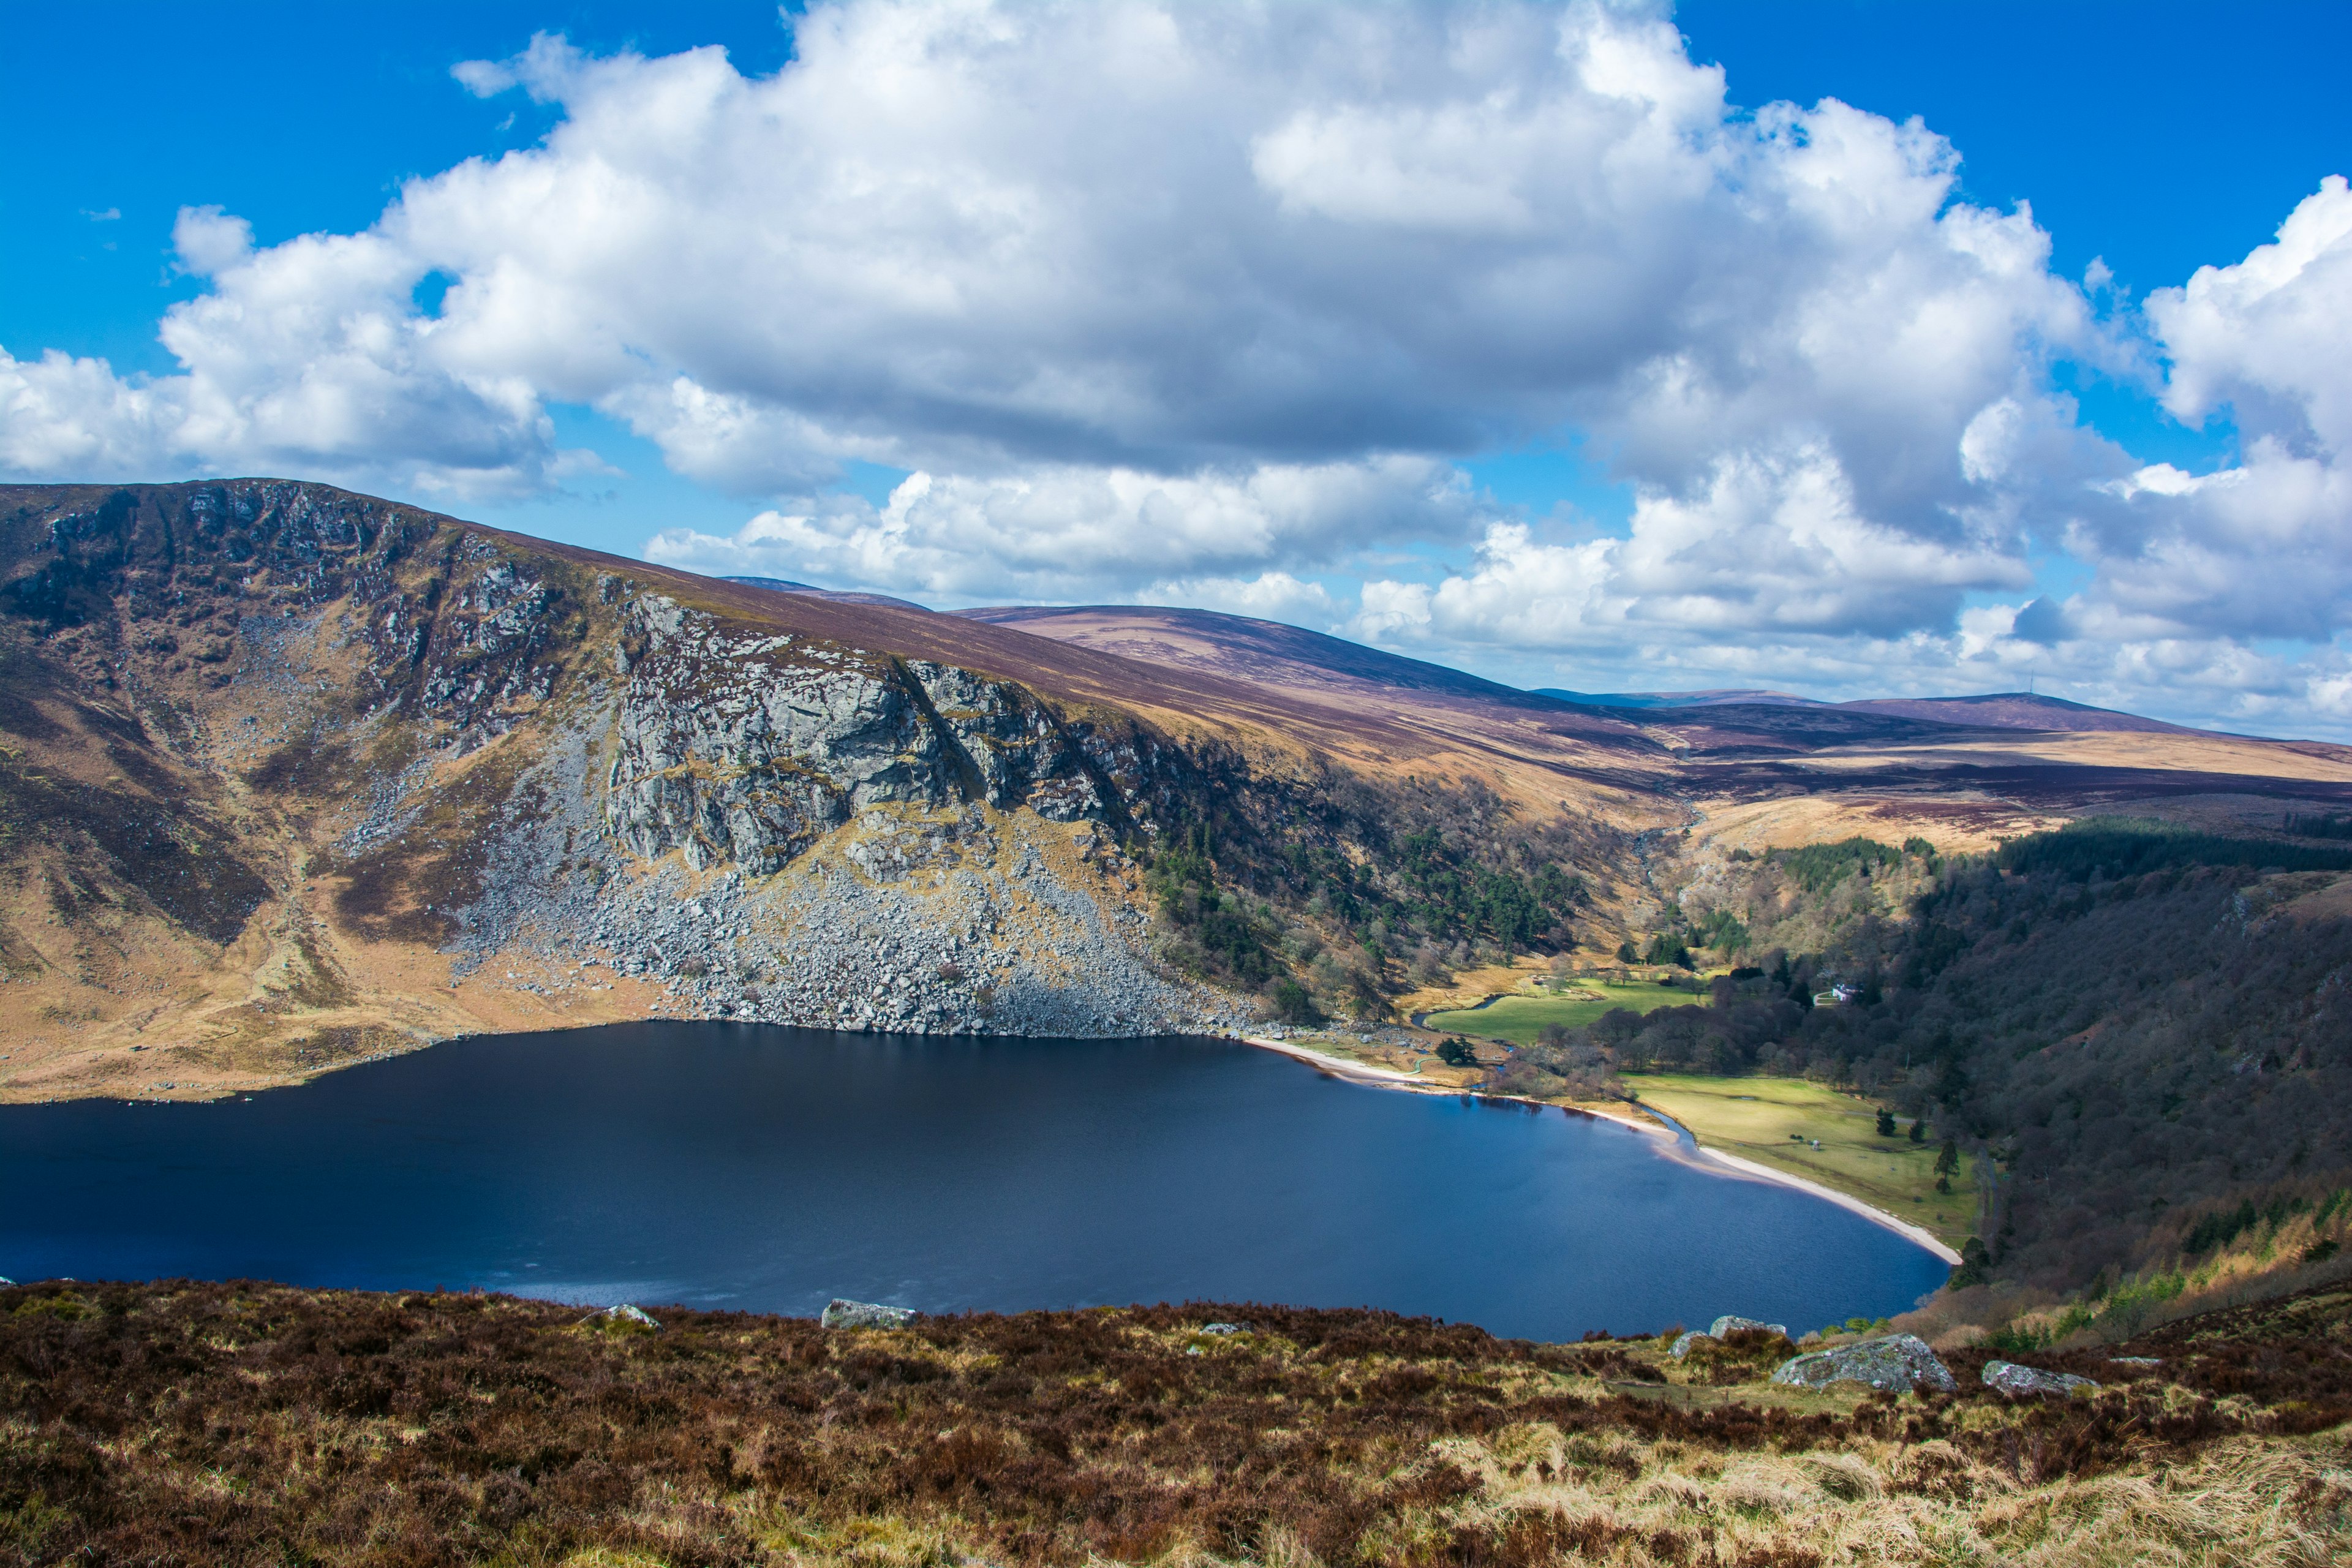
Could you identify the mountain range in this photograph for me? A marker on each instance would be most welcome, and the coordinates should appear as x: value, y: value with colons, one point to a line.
x: 294, y: 777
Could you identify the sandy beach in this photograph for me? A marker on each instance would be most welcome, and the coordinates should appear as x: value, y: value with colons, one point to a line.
x: 1640, y: 1120
x: 1749, y: 1168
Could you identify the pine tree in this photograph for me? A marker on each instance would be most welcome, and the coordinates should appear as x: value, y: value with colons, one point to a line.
x: 1887, y: 1125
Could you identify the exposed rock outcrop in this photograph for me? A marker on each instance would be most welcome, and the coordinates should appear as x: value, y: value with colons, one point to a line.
x: 2022, y: 1381
x: 623, y: 1318
x: 496, y: 766
x: 1720, y: 1328
x: 1897, y: 1362
x: 846, y: 1314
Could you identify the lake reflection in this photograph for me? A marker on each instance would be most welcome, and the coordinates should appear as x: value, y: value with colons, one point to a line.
x: 769, y: 1169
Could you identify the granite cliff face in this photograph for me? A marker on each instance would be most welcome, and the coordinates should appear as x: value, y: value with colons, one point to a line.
x: 743, y: 751
x: 334, y: 776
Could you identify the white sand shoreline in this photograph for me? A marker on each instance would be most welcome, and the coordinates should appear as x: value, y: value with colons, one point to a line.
x: 1639, y: 1118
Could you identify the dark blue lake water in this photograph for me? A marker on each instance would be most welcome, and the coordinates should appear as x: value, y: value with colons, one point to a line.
x: 769, y: 1169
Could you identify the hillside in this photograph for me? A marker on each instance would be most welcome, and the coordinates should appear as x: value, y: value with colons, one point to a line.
x: 203, y: 1424
x: 293, y: 777
x: 1763, y: 769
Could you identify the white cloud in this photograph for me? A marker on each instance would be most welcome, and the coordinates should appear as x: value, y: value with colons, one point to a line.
x: 1069, y: 532
x: 1181, y: 300
x: 1268, y: 597
x: 2262, y: 549
x: 974, y: 238
x: 1771, y: 546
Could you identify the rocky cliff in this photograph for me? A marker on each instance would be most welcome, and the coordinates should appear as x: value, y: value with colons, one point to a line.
x: 293, y: 776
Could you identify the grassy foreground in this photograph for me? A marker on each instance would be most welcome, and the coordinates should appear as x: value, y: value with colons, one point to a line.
x: 1518, y: 1018
x: 1775, y: 1121
x: 204, y: 1422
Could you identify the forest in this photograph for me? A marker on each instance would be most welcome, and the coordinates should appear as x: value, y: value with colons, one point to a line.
x: 1333, y: 908
x: 2147, y: 1032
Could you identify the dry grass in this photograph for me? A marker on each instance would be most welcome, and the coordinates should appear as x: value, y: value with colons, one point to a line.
x: 185, y: 1422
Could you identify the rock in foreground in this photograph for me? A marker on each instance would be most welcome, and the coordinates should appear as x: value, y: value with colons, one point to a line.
x: 1897, y: 1362
x: 2019, y: 1382
x: 845, y: 1314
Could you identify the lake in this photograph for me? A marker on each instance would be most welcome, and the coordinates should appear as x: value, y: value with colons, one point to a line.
x: 758, y: 1168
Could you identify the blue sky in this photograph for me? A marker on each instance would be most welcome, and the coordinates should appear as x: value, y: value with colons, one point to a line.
x: 1532, y: 509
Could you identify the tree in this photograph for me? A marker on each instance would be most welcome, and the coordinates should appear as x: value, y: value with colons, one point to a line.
x: 1456, y: 1052
x: 1628, y: 954
x: 1918, y: 1130
x: 1885, y: 1123
x: 1294, y: 1005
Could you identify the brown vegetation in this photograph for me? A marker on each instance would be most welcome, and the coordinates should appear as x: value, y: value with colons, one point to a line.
x: 189, y: 1423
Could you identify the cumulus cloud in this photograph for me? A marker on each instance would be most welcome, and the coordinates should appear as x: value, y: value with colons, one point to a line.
x: 1073, y: 531
x: 307, y: 358
x: 974, y: 238
x: 1170, y: 299
x: 1268, y: 597
x: 2262, y: 549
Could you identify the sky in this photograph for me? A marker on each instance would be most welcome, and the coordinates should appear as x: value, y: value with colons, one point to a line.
x: 1842, y: 347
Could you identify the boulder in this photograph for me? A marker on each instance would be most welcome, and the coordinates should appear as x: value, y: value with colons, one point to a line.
x: 843, y: 1314
x: 1898, y: 1363
x: 623, y: 1316
x: 1722, y: 1328
x: 1726, y: 1324
x: 2017, y: 1382
x: 1224, y: 1327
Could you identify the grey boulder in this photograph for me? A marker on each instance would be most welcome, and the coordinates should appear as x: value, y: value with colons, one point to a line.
x: 843, y: 1314
x: 1727, y: 1324
x: 1897, y: 1362
x: 2018, y: 1381
x: 624, y: 1316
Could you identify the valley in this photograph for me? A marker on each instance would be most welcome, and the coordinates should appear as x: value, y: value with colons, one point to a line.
x: 294, y: 778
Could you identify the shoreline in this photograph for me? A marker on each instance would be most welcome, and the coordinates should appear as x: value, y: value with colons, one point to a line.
x: 1355, y: 1072
x: 1750, y: 1170
x: 1640, y: 1119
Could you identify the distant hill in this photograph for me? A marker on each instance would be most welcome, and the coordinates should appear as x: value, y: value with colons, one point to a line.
x: 2020, y: 711
x: 1996, y: 710
x: 1669, y: 698
x: 1239, y: 646
x: 784, y: 585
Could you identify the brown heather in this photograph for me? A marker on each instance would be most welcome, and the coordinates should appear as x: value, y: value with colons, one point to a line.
x: 180, y: 1423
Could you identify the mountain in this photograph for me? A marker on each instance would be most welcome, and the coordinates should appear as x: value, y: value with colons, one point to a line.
x: 1765, y: 767
x: 293, y: 776
x: 290, y: 777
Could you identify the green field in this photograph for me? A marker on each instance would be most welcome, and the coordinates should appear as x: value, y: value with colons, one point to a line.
x: 1753, y: 1118
x: 1517, y: 1018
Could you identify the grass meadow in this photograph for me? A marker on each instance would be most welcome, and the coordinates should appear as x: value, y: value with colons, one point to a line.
x: 1518, y: 1018
x: 1776, y: 1121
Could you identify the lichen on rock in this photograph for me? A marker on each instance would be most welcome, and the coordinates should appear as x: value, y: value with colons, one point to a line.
x: 1897, y: 1362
